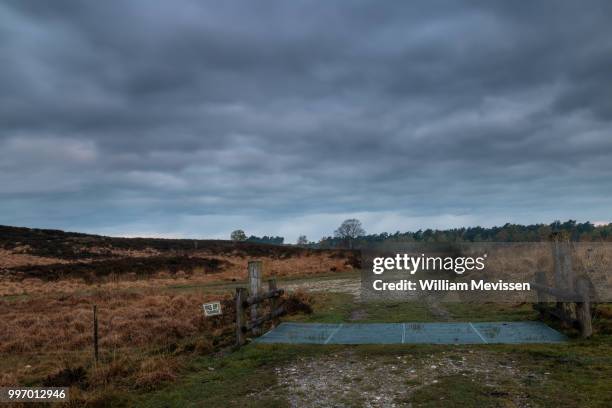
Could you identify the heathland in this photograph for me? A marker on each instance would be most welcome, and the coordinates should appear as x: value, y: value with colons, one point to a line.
x: 157, y: 349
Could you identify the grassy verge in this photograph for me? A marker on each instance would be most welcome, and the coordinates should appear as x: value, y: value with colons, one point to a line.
x: 245, y: 378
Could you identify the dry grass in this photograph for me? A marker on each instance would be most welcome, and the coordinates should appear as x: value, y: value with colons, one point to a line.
x: 144, y: 332
x: 147, y: 332
x: 125, y: 319
x: 156, y: 371
x: 17, y: 257
x: 519, y: 262
x: 234, y: 269
x: 7, y: 379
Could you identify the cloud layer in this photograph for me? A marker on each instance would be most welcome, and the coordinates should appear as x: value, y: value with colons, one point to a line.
x: 191, y: 118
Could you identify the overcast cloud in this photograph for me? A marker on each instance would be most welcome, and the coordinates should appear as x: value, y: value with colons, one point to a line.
x: 191, y: 118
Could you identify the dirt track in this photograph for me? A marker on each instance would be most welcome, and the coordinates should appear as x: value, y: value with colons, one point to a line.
x: 347, y: 378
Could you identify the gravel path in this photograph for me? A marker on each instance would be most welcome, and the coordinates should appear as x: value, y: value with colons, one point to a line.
x: 347, y: 378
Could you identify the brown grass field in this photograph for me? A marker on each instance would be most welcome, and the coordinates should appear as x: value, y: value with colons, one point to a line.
x: 149, y: 323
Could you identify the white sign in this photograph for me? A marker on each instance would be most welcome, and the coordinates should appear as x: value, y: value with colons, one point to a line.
x: 212, y: 309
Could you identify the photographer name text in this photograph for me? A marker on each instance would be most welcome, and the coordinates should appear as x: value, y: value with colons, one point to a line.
x: 446, y: 285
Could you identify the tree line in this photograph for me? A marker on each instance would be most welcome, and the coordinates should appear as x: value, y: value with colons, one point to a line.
x: 351, y: 234
x: 239, y: 235
x: 575, y: 231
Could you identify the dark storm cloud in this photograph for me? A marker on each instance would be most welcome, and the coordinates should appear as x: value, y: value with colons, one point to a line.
x: 192, y: 118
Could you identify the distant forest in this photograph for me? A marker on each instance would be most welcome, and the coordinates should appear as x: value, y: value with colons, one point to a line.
x: 508, y: 233
x: 266, y: 240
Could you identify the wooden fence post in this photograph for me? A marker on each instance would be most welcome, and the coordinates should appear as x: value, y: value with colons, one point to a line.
x: 274, y: 300
x: 564, y: 273
x: 95, y: 331
x: 240, y: 292
x: 255, y: 272
x: 583, y: 308
x: 540, y: 279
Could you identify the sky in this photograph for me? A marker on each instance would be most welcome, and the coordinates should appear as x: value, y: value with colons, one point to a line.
x: 195, y: 118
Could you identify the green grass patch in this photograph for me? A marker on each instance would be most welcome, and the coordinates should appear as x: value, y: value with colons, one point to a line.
x: 245, y: 378
x: 395, y: 312
x: 459, y: 391
x: 327, y: 308
x: 489, y: 312
x: 339, y: 307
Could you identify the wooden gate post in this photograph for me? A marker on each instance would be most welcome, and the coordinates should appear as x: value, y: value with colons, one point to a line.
x: 273, y: 301
x: 240, y: 297
x: 583, y: 308
x: 255, y: 274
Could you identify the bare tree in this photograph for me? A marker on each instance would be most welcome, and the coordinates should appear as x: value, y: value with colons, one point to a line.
x: 349, y: 230
x: 238, y: 235
x: 302, y: 240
